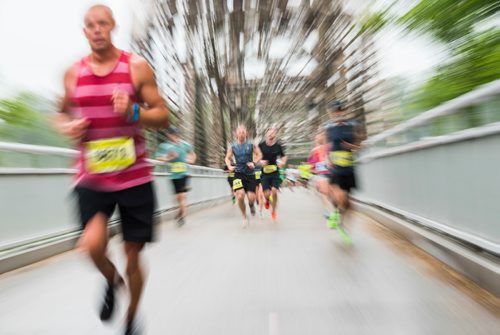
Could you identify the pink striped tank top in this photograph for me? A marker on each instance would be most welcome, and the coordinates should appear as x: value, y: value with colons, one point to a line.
x: 92, y: 100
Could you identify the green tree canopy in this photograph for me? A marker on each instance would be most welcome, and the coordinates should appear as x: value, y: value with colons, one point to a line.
x: 476, y: 62
x: 449, y: 20
x: 475, y: 54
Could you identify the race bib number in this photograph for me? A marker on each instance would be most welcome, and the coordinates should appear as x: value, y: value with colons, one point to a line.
x: 342, y: 158
x: 237, y: 184
x: 321, y: 166
x: 270, y: 168
x: 258, y: 174
x: 109, y: 155
x: 178, y: 167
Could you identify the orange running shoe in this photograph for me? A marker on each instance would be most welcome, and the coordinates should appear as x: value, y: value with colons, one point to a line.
x: 266, y: 205
x: 273, y: 215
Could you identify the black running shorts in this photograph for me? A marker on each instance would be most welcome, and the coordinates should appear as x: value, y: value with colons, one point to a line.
x: 271, y: 180
x: 244, y: 181
x: 230, y: 181
x: 136, y: 205
x: 180, y: 185
x: 345, y: 181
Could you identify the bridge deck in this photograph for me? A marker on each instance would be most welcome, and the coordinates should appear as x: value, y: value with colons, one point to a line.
x: 290, y: 277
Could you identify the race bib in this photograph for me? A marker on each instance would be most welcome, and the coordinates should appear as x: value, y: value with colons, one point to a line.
x: 321, y: 166
x: 270, y: 168
x: 341, y: 158
x: 258, y: 174
x: 109, y: 155
x: 178, y: 167
x: 237, y: 184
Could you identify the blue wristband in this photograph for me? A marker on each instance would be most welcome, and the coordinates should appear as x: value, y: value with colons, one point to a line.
x: 135, y: 113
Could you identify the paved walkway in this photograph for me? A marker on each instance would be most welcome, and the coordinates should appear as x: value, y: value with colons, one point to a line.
x: 294, y: 277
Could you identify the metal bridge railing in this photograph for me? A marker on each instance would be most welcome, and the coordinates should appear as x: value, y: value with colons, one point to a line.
x: 36, y: 202
x: 440, y: 169
x: 471, y: 115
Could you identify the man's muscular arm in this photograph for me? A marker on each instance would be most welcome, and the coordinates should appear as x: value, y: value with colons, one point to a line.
x: 154, y: 113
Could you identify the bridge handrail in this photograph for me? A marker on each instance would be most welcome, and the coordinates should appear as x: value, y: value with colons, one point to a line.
x: 476, y: 96
x: 66, y: 152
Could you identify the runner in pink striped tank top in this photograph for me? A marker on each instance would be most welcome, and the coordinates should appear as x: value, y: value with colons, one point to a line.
x: 110, y: 96
x: 92, y: 100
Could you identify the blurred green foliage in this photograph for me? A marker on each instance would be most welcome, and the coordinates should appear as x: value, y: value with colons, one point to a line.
x: 449, y: 20
x: 25, y: 119
x: 374, y: 22
x: 475, y: 62
x: 475, y: 52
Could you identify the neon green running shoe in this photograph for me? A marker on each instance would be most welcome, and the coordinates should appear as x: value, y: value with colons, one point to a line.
x: 344, y: 236
x: 270, y: 198
x: 333, y: 220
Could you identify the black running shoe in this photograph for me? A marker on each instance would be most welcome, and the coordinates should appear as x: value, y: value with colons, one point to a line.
x: 252, y: 210
x: 108, y: 304
x: 132, y: 328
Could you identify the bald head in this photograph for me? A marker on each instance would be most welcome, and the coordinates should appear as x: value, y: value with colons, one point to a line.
x: 100, y: 9
x: 241, y: 133
x: 99, y: 24
x: 241, y: 126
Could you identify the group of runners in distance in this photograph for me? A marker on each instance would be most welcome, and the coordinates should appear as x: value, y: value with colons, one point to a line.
x: 110, y: 97
x: 259, y: 170
x: 254, y: 170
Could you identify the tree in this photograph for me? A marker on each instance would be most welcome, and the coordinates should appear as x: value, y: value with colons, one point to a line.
x: 475, y: 54
x: 25, y: 119
x: 476, y: 62
x: 449, y: 20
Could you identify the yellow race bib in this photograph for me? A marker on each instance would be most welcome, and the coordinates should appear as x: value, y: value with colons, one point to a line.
x: 270, y: 168
x: 178, y: 167
x: 341, y: 158
x: 109, y: 155
x: 257, y: 174
x: 237, y: 184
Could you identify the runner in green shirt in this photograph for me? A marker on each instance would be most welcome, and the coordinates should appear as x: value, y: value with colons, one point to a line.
x: 178, y: 154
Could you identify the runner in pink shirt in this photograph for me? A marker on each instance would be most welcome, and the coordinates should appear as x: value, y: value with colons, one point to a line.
x: 110, y: 96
